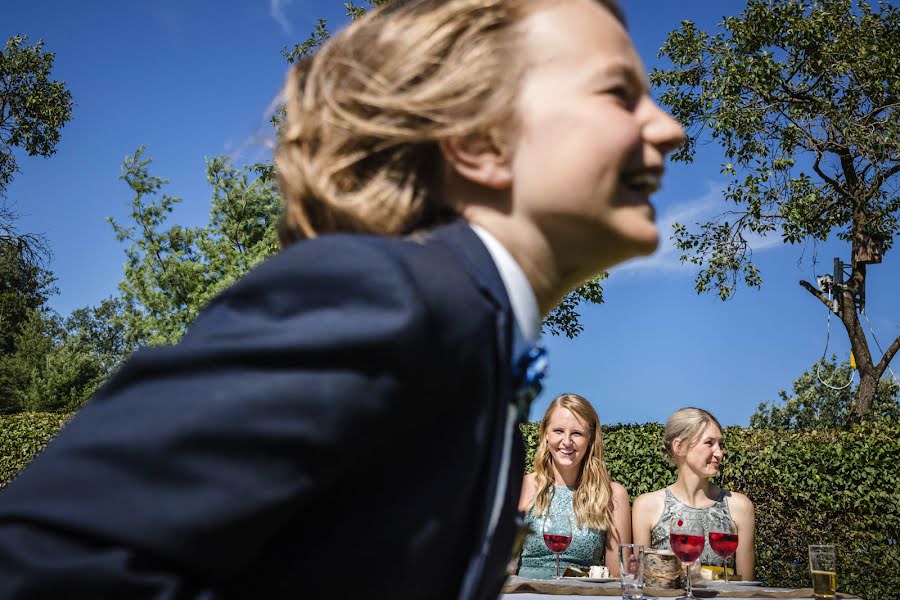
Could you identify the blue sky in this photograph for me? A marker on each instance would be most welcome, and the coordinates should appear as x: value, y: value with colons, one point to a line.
x: 191, y: 79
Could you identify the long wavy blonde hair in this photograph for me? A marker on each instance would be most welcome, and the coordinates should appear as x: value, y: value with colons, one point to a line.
x: 592, y: 500
x: 359, y: 148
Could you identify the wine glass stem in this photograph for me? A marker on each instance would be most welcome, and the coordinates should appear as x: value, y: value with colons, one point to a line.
x: 726, y: 569
x: 690, y: 592
x: 557, y: 566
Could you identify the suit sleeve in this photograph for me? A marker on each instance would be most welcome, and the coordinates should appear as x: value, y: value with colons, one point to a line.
x: 171, y: 480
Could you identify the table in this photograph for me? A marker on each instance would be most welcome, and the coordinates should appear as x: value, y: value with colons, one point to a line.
x: 520, y: 588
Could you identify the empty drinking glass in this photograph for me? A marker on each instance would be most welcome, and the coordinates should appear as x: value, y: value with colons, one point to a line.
x: 631, y: 571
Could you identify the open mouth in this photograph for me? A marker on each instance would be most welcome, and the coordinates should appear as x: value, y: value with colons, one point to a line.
x: 642, y: 182
x: 567, y: 453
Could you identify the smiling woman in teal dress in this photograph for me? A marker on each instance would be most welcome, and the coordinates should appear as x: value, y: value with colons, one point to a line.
x: 570, y: 477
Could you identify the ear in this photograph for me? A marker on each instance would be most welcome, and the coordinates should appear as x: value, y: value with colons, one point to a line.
x: 676, y: 446
x: 480, y: 159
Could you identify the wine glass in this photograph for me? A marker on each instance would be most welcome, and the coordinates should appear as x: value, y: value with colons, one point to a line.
x: 557, y: 530
x: 723, y: 539
x: 686, y: 536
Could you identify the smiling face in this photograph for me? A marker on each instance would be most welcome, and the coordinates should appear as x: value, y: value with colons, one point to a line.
x: 590, y: 142
x: 568, y: 439
x: 705, y: 456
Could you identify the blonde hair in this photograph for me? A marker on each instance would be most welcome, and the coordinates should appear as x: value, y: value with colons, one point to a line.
x: 592, y: 500
x: 686, y: 424
x: 359, y: 148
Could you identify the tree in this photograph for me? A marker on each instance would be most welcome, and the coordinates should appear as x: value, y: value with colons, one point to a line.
x: 172, y: 271
x: 24, y: 287
x: 100, y: 331
x: 802, y: 95
x: 47, y: 363
x: 822, y: 399
x: 33, y: 110
x: 564, y: 319
x: 49, y: 370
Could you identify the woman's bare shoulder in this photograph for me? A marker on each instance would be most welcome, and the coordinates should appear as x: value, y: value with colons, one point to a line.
x: 650, y: 499
x: 529, y: 487
x: 737, y: 500
x: 619, y: 491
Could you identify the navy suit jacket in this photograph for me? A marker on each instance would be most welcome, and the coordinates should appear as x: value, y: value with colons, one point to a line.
x: 330, y: 425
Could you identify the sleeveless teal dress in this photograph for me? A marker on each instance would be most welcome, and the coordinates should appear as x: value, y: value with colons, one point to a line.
x: 673, y: 507
x: 588, y: 546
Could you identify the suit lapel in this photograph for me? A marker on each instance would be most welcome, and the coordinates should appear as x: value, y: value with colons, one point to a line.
x: 500, y: 464
x: 477, y: 260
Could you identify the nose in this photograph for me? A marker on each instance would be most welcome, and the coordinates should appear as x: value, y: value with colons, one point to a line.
x: 661, y: 129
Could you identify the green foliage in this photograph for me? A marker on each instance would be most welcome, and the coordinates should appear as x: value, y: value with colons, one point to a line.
x: 815, y: 405
x: 320, y: 33
x: 100, y: 332
x: 835, y: 487
x: 802, y: 96
x: 564, y: 318
x: 172, y: 272
x: 808, y: 487
x: 34, y: 108
x: 22, y: 436
x: 49, y: 370
x: 24, y: 287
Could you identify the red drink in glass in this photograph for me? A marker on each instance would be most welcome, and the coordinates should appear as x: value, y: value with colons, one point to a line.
x: 723, y: 544
x: 687, y: 547
x: 557, y: 543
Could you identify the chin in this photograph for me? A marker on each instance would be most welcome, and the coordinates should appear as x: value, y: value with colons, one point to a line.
x: 649, y: 245
x: 643, y: 243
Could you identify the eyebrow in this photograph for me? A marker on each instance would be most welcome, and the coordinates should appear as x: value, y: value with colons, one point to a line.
x: 623, y: 69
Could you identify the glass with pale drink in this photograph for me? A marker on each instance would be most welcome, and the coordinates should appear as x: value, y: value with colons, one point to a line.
x: 823, y: 567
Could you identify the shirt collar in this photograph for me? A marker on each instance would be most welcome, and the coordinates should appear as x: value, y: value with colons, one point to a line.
x: 521, y: 296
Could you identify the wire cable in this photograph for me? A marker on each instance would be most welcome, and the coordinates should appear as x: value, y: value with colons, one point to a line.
x: 872, y: 331
x: 825, y: 353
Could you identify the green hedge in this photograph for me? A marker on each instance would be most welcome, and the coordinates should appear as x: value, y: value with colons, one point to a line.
x: 23, y: 435
x: 810, y: 487
x: 840, y: 487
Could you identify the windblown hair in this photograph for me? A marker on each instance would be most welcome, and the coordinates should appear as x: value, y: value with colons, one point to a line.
x: 686, y: 424
x: 359, y: 149
x: 592, y: 500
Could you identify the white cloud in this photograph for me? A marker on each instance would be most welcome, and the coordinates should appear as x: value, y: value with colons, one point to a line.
x: 666, y: 259
x: 276, y: 9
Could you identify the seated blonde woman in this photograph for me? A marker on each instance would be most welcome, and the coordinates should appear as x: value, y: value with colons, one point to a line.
x: 693, y: 442
x: 570, y: 477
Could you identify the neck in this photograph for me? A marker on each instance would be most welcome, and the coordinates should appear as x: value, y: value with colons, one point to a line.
x: 533, y: 253
x: 693, y: 490
x: 567, y: 476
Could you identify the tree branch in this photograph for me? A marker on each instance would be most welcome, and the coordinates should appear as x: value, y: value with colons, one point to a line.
x: 882, y: 177
x: 834, y: 183
x: 891, y: 103
x: 815, y: 292
x: 888, y: 355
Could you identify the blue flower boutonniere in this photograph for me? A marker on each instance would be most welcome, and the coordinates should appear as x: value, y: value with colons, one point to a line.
x: 528, y: 375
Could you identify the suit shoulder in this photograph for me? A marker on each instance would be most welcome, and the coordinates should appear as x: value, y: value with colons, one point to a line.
x: 325, y: 287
